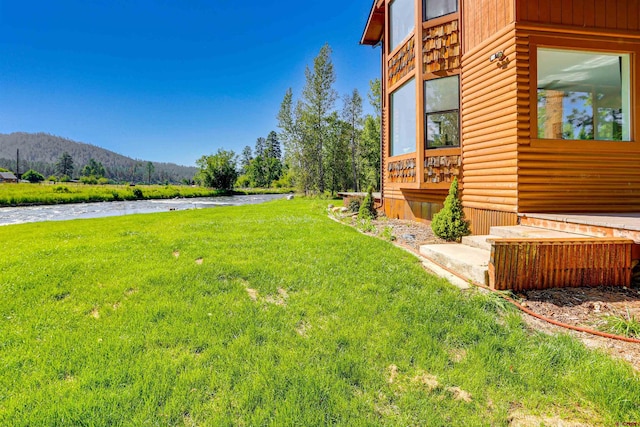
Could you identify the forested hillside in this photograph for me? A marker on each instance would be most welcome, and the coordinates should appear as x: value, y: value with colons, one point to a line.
x: 41, y: 152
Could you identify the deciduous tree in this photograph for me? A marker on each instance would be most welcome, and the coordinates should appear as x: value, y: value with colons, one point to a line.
x: 218, y: 170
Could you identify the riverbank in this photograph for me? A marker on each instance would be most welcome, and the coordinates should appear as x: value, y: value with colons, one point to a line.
x: 69, y: 211
x: 12, y: 195
x: 271, y: 314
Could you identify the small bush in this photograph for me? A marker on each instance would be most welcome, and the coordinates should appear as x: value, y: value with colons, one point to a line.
x: 61, y: 189
x: 450, y: 224
x: 367, y: 209
x: 89, y: 180
x: 243, y: 181
x: 137, y: 193
x: 354, y: 205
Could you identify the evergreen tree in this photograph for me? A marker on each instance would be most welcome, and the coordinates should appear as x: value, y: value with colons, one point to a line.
x: 337, y: 153
x: 318, y: 99
x: 449, y: 223
x: 64, y: 166
x: 150, y: 169
x: 352, y: 115
x: 273, y: 158
x: 94, y: 168
x: 245, y: 159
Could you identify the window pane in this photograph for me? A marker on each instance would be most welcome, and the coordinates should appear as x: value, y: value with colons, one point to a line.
x: 437, y: 8
x: 441, y: 106
x: 402, y: 21
x: 442, y: 129
x: 403, y: 119
x: 441, y: 94
x: 583, y: 95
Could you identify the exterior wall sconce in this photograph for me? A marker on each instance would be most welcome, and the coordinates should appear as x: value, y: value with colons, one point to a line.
x: 498, y: 55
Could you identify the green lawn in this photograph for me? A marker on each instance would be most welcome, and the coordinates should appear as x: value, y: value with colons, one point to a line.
x: 269, y: 315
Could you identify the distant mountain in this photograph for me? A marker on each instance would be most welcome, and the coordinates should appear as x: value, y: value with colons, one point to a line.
x: 41, y: 151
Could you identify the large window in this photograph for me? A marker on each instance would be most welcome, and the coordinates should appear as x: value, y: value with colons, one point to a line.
x: 402, y: 21
x: 403, y: 119
x: 436, y: 8
x: 442, y: 112
x: 583, y: 95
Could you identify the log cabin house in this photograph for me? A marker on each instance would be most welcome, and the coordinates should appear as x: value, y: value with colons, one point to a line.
x: 534, y: 105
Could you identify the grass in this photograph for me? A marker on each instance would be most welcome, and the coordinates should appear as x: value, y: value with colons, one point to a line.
x: 51, y: 194
x: 627, y: 326
x: 269, y: 315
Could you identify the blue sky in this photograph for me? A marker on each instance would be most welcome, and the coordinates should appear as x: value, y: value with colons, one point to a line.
x: 169, y: 80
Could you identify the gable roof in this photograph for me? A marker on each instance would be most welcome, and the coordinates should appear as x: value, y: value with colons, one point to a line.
x: 9, y: 176
x: 374, y: 30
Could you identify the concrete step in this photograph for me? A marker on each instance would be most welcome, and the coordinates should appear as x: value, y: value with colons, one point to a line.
x: 526, y: 232
x: 479, y: 242
x: 467, y: 261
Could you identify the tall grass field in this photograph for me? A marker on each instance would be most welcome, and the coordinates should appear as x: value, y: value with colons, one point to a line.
x: 51, y: 194
x: 270, y: 315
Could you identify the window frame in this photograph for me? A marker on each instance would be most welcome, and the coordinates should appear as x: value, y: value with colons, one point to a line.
x: 592, y: 90
x: 588, y: 45
x: 448, y: 110
x: 425, y: 7
x: 412, y: 90
x: 399, y: 42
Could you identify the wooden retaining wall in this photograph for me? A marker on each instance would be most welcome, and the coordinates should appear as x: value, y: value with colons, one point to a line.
x: 522, y: 264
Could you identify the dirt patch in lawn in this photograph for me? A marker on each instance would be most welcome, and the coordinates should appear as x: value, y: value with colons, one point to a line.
x: 583, y: 307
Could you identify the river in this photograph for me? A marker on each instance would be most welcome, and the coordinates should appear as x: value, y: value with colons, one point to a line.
x: 23, y: 214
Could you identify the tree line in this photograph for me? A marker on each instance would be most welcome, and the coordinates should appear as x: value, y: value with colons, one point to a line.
x: 41, y: 152
x: 325, y: 149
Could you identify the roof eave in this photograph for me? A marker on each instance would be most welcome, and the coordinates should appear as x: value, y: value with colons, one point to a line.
x: 374, y: 29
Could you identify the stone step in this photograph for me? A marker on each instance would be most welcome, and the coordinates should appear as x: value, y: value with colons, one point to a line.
x: 479, y: 242
x: 472, y: 263
x: 526, y: 232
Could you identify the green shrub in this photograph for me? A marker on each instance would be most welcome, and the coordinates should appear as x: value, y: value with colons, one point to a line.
x: 52, y: 178
x: 137, y: 193
x: 243, y: 181
x: 367, y: 209
x: 33, y: 176
x: 90, y: 180
x: 449, y: 223
x: 61, y: 189
x: 354, y: 205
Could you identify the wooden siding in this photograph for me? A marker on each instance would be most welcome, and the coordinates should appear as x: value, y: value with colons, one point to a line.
x: 609, y: 14
x: 402, y: 63
x: 402, y: 171
x: 441, y: 168
x: 482, y: 19
x: 415, y: 206
x: 490, y: 111
x: 482, y: 220
x: 574, y: 176
x: 441, y: 47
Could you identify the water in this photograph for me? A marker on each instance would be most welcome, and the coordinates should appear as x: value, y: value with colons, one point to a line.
x: 19, y: 215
